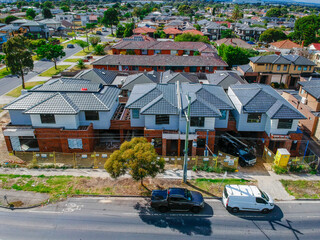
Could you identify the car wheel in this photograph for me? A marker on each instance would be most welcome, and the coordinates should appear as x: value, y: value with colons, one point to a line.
x: 235, y: 210
x: 265, y: 210
x: 242, y: 164
x: 195, y: 209
x: 163, y: 209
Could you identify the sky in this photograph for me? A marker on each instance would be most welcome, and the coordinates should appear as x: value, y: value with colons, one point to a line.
x: 308, y: 1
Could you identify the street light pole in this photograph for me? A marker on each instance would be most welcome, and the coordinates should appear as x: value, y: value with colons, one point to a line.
x: 185, y: 164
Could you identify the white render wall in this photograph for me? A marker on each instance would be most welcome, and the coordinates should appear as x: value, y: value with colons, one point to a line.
x: 62, y: 121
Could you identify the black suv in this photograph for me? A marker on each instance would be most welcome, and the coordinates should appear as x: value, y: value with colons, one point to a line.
x: 177, y: 199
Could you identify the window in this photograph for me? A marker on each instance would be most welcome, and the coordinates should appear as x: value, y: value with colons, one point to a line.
x: 135, y: 113
x: 223, y: 114
x: 144, y: 52
x: 299, y: 68
x: 162, y: 119
x: 197, y: 122
x: 260, y: 200
x: 267, y: 66
x: 201, y: 142
x: 295, y: 67
x: 302, y: 91
x: 174, y: 52
x: 285, y: 123
x: 285, y: 68
x: 75, y: 143
x: 157, y: 51
x: 305, y: 68
x: 47, y: 118
x: 254, y: 118
x: 310, y: 68
x: 91, y: 115
x: 157, y: 142
x: 278, y: 67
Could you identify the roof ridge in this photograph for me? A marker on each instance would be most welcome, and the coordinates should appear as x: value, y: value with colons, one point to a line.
x: 66, y: 98
x: 143, y: 95
x: 44, y: 100
x: 100, y: 101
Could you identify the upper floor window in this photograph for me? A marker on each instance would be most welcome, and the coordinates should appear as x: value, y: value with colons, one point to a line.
x: 135, y: 113
x: 310, y: 68
x: 144, y: 52
x: 162, y: 119
x: 267, y: 66
x: 285, y: 68
x: 285, y: 124
x: 174, y: 52
x: 295, y: 67
x: 223, y: 114
x: 254, y: 118
x: 157, y: 51
x: 91, y: 115
x: 47, y: 118
x: 197, y: 122
x: 278, y: 67
x: 302, y: 91
x: 305, y: 68
x: 299, y: 68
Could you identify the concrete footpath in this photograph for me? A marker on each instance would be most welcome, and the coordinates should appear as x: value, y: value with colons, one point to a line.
x: 269, y: 181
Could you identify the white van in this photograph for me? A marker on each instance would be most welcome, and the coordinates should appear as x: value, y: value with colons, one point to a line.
x: 246, y: 198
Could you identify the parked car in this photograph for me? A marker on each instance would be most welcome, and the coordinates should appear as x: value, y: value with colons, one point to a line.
x: 233, y: 146
x: 246, y: 198
x: 104, y: 29
x: 98, y: 33
x: 70, y: 46
x: 177, y: 199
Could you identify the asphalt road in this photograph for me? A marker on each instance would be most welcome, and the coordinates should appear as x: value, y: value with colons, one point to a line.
x: 10, y: 82
x: 118, y: 218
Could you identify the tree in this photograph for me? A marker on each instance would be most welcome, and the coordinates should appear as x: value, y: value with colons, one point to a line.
x: 120, y: 31
x: 94, y: 41
x: 128, y: 32
x: 31, y: 13
x: 160, y: 34
x: 65, y: 8
x: 18, y: 56
x: 110, y: 18
x: 137, y: 157
x: 274, y: 12
x: 188, y: 37
x: 227, y: 33
x: 197, y: 26
x: 9, y: 19
x: 73, y: 35
x: 46, y: 13
x: 99, y: 50
x: 305, y: 29
x: 47, y: 4
x: 235, y: 55
x: 185, y: 10
x: 82, y: 44
x: 236, y: 14
x: 80, y: 64
x: 51, y: 51
x: 272, y: 35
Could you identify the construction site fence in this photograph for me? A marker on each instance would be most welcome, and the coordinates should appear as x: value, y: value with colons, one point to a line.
x: 98, y: 159
x: 268, y: 156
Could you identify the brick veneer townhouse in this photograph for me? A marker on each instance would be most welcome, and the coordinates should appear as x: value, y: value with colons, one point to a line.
x: 160, y: 109
x: 307, y: 101
x: 285, y: 69
x: 157, y: 47
x: 264, y: 115
x: 161, y: 63
x: 61, y: 115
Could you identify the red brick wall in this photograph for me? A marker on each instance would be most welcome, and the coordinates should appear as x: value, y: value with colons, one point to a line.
x: 8, y: 143
x: 48, y: 139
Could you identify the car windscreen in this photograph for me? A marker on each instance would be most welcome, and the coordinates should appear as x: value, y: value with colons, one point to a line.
x: 264, y: 195
x: 226, y: 192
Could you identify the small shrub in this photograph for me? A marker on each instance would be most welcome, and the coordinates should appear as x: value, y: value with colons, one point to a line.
x: 279, y: 170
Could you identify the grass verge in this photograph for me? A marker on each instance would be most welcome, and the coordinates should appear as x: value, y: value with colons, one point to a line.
x: 4, y: 72
x: 52, y: 71
x: 17, y: 91
x: 69, y: 42
x: 302, y: 189
x: 85, y: 52
x: 61, y: 187
x: 72, y: 60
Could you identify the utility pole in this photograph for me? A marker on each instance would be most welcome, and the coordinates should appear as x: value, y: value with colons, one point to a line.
x: 185, y: 164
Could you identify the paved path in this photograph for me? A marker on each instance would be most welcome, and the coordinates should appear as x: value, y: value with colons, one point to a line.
x: 268, y: 182
x: 132, y: 218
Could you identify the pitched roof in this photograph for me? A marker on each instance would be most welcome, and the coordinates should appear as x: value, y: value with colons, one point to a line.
x: 235, y: 42
x: 65, y: 102
x: 143, y: 30
x: 260, y: 98
x: 316, y: 46
x: 172, y: 31
x: 165, y: 45
x: 193, y: 31
x: 245, y: 68
x: 285, y: 44
x: 312, y: 87
x: 161, y: 60
x: 99, y: 76
x: 225, y: 79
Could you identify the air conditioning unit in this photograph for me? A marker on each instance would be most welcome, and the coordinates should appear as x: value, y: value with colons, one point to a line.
x: 304, y: 100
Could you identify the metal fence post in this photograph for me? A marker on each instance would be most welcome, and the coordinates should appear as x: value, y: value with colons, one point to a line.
x: 54, y: 158
x: 74, y: 161
x: 95, y: 164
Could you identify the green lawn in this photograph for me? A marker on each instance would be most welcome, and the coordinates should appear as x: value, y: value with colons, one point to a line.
x: 72, y: 60
x: 302, y: 189
x: 4, y: 72
x: 61, y: 187
x: 52, y: 71
x: 17, y: 91
x: 85, y: 52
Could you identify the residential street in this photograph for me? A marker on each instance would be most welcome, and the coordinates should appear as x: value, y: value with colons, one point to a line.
x: 131, y: 218
x: 10, y: 82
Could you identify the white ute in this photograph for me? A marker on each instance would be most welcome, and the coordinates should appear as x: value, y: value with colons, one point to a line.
x: 246, y: 198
